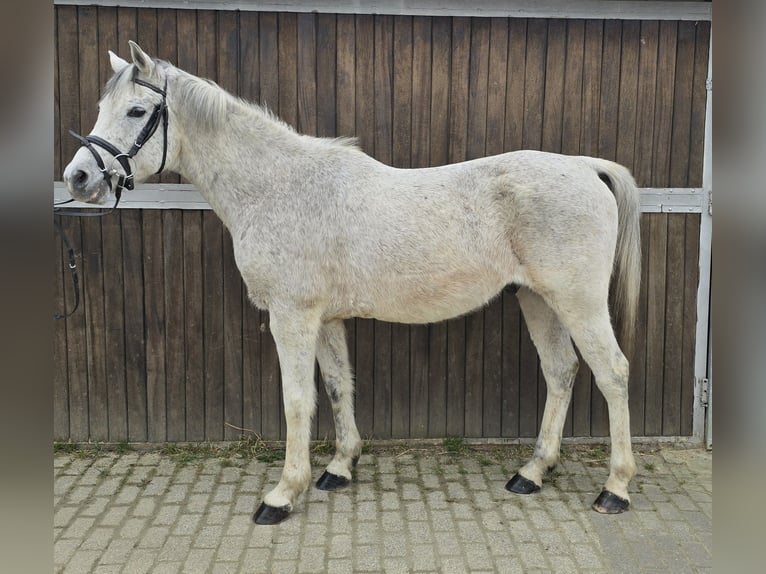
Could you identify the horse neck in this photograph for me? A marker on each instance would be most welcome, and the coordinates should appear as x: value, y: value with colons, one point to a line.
x: 229, y: 160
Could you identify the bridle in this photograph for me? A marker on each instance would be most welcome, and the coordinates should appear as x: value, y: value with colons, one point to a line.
x: 125, y: 179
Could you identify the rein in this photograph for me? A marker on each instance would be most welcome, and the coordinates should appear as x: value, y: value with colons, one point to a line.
x: 124, y: 180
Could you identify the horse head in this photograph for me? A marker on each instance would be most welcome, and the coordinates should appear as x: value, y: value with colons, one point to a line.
x: 122, y: 149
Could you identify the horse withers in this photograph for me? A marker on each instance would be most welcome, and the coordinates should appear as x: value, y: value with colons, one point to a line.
x: 322, y: 232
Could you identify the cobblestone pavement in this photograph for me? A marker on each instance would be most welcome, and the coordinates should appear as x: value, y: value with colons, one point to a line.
x: 417, y: 509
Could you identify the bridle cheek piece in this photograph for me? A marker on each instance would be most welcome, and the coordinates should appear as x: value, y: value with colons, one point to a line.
x: 125, y: 180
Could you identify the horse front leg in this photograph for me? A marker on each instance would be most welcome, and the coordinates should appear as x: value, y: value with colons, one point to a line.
x: 332, y: 354
x: 295, y: 334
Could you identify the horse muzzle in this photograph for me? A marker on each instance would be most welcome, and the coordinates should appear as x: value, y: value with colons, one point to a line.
x: 85, y: 182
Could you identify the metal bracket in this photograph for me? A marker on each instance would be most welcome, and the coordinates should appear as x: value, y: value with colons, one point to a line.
x: 673, y: 200
x: 704, y: 395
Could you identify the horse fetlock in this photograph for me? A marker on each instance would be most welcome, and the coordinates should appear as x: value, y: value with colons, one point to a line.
x: 341, y: 466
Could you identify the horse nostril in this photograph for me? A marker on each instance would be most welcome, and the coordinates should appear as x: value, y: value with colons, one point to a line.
x: 79, y: 179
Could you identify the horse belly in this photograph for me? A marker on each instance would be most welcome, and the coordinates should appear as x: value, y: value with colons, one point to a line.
x: 435, y: 298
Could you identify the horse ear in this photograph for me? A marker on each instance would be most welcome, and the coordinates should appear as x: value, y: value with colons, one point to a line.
x: 142, y: 61
x: 116, y: 62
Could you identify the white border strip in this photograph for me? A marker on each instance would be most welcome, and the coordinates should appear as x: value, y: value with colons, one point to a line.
x: 596, y: 9
x: 186, y: 196
x: 702, y: 422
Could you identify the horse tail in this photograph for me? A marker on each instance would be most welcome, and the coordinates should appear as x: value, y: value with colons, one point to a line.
x: 627, y: 261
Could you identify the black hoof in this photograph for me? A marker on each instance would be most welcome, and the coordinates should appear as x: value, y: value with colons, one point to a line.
x: 270, y: 515
x: 331, y: 481
x: 609, y: 503
x: 520, y: 485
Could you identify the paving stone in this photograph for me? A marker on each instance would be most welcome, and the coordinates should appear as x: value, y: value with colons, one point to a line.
x: 418, y: 512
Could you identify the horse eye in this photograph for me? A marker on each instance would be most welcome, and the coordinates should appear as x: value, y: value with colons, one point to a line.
x: 136, y: 112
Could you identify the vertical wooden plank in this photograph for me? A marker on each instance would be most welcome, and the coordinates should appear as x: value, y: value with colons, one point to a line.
x: 135, y: 348
x: 642, y: 171
x: 573, y: 81
x: 249, y: 87
x: 401, y: 157
x: 637, y: 384
x: 458, y: 131
x: 356, y: 44
x: 114, y: 325
x: 555, y: 73
x: 383, y: 137
x: 288, y: 96
x: 91, y: 266
x: 146, y: 36
x: 511, y: 343
x: 534, y: 91
x: 252, y: 335
x: 189, y: 52
x: 345, y: 75
x: 517, y: 61
x: 57, y: 163
x: 512, y: 321
x: 663, y: 111
x: 625, y: 152
x: 656, y: 285
x: 699, y: 99
x: 534, y: 83
x: 674, y: 323
x: 628, y: 95
x: 146, y: 30
x: 496, y: 87
x: 175, y: 364
x: 610, y: 90
x: 271, y: 405
x: 77, y: 351
x: 438, y: 148
x: 228, y: 56
x: 688, y: 344
x: 306, y: 73
x: 682, y: 106
x: 167, y: 49
x: 592, y: 60
x: 589, y: 145
x: 326, y: 78
x: 492, y: 399
x: 421, y: 92
x: 647, y: 82
x: 207, y: 263
x: 111, y: 240
x: 476, y: 147
x: 154, y: 312
x: 365, y: 110
x: 679, y: 176
x: 420, y: 152
x: 248, y: 66
x: 288, y: 81
x: 212, y: 333
x: 68, y: 81
x: 194, y: 324
x: 60, y: 306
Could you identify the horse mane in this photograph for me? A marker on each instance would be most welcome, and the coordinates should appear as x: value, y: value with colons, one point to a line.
x: 208, y: 104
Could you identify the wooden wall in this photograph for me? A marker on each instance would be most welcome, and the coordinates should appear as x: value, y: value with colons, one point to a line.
x: 166, y: 347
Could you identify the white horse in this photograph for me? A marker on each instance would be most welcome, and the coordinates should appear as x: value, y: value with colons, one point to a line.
x: 322, y: 232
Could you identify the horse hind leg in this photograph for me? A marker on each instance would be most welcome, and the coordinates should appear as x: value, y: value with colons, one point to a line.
x: 559, y: 364
x: 588, y: 323
x: 332, y: 355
